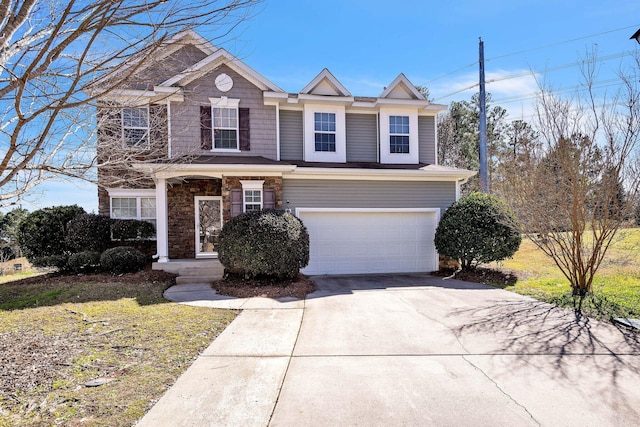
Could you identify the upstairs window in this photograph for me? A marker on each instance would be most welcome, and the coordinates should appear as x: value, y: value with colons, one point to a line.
x: 135, y: 127
x: 399, y: 134
x: 325, y: 131
x: 225, y: 128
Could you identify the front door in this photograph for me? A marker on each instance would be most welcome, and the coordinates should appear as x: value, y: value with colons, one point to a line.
x: 208, y: 225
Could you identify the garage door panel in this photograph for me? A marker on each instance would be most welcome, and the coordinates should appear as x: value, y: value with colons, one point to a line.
x: 370, y: 242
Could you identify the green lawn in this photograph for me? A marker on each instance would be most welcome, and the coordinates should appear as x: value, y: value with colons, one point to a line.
x: 616, y: 290
x: 58, y: 333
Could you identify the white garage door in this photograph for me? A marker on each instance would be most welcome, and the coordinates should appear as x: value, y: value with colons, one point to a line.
x: 370, y: 241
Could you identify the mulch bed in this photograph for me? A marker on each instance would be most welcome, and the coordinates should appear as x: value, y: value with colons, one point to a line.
x: 481, y: 275
x: 147, y: 275
x: 238, y: 287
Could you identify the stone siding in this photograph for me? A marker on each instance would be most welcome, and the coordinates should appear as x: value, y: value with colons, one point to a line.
x: 182, y: 227
x: 233, y: 182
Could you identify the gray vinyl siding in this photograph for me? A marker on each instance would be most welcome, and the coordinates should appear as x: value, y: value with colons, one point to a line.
x: 291, y: 135
x: 157, y: 72
x: 304, y: 193
x: 427, y: 139
x: 362, y: 136
x: 185, y: 116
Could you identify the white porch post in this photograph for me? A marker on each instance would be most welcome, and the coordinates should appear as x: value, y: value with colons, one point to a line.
x: 162, y: 219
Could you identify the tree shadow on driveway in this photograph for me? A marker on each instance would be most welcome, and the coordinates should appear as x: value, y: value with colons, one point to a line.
x: 526, y: 327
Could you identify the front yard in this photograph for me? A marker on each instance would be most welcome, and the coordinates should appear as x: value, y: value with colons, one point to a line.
x: 616, y: 287
x: 58, y: 334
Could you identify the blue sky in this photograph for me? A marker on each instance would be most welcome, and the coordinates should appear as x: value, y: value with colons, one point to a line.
x: 367, y: 43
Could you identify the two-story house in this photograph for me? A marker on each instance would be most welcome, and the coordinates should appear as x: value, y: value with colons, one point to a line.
x: 361, y: 172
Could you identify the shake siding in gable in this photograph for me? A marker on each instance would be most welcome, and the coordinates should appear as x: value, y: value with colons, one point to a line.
x: 291, y: 135
x: 185, y: 116
x: 362, y: 137
x: 427, y: 139
x: 302, y: 193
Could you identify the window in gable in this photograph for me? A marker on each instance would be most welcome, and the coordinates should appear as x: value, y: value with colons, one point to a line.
x: 135, y: 127
x: 325, y: 131
x: 225, y: 128
x: 399, y: 134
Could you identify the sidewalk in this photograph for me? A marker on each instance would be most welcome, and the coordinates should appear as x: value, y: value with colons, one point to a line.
x: 237, y: 379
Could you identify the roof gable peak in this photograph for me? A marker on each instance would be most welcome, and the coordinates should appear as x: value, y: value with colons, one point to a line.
x: 401, y: 88
x: 325, y: 83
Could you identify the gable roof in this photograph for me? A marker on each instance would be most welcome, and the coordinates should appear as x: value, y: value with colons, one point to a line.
x: 401, y: 88
x: 218, y: 57
x: 215, y: 57
x: 325, y: 83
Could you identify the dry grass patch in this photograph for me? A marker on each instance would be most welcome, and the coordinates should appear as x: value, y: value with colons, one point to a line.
x: 57, y: 333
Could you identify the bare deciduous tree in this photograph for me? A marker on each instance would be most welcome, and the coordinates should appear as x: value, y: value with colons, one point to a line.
x: 566, y: 189
x: 50, y: 53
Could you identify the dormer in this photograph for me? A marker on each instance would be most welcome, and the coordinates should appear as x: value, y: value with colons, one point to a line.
x: 402, y: 88
x: 326, y: 84
x: 399, y: 139
x: 324, y: 121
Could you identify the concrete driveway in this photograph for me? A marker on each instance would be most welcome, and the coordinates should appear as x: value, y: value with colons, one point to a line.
x: 407, y: 350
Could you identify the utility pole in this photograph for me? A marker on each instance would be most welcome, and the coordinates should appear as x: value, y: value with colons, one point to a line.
x: 484, y: 177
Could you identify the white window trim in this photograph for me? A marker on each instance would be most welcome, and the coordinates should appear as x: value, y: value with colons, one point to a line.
x: 127, y: 193
x: 230, y: 103
x: 252, y: 185
x: 386, y: 156
x: 310, y: 153
x: 147, y: 128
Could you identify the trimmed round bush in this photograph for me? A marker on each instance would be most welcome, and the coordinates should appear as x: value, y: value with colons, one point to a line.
x: 269, y: 242
x: 84, y: 262
x: 41, y: 234
x: 476, y: 229
x: 122, y: 259
x: 88, y: 232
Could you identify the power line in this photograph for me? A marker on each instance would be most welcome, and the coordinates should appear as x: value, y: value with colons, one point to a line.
x: 562, y: 42
x: 546, y: 70
x: 523, y: 51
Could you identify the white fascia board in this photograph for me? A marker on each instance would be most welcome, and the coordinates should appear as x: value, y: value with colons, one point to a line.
x: 131, y: 192
x: 159, y: 95
x: 328, y: 99
x: 180, y: 170
x: 395, y: 102
x: 436, y: 107
x: 378, y: 174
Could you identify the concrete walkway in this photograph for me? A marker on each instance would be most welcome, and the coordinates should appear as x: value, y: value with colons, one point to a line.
x: 404, y: 350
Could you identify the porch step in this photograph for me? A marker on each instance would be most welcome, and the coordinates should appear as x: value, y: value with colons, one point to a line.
x: 177, y: 266
x: 184, y: 280
x: 194, y: 271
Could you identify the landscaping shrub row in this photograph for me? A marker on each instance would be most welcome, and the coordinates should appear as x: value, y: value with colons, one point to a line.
x: 69, y: 239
